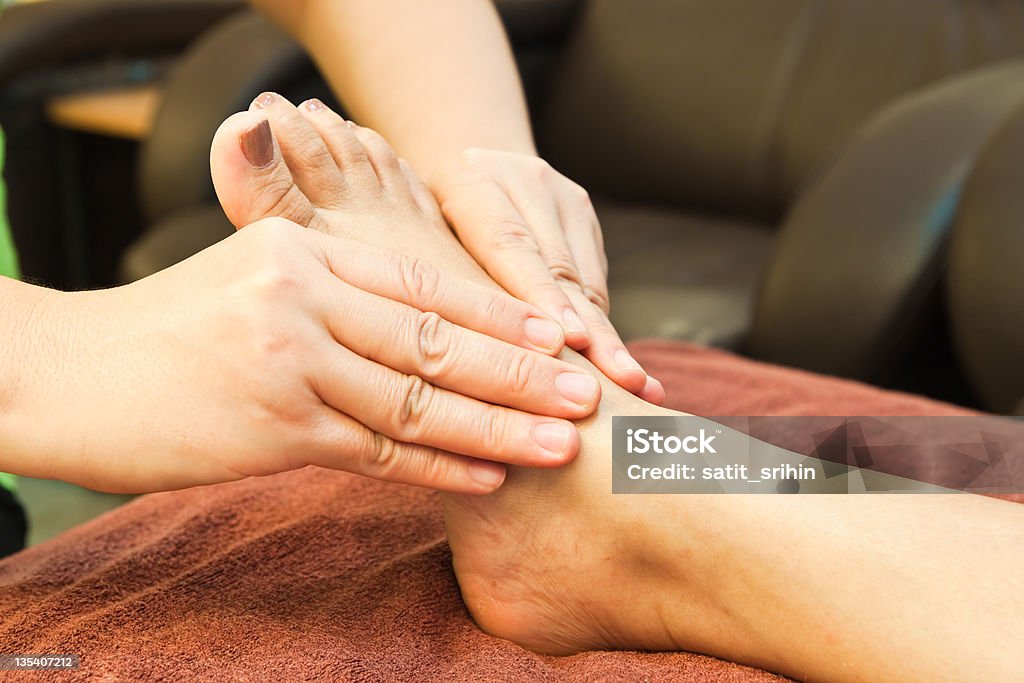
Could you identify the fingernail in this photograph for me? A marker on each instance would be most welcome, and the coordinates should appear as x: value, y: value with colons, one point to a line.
x: 552, y: 436
x: 258, y: 145
x: 488, y: 475
x: 313, y: 104
x: 653, y: 385
x: 572, y: 321
x: 577, y: 387
x: 264, y: 100
x: 542, y: 332
x: 626, y: 361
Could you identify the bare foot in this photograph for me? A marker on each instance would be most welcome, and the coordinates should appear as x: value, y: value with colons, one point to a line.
x: 540, y: 562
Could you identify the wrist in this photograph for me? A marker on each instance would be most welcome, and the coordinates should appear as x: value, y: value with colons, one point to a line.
x: 35, y: 376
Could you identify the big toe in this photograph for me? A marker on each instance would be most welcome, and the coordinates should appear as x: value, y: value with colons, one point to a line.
x: 251, y: 177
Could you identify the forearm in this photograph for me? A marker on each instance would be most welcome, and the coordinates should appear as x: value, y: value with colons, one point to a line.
x: 910, y: 588
x: 433, y: 77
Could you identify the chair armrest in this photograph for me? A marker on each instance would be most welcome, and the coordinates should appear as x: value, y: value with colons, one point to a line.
x: 985, y: 287
x: 861, y: 252
x: 49, y: 33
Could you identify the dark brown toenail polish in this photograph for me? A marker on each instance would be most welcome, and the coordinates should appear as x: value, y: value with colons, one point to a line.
x: 313, y: 104
x: 264, y: 100
x: 258, y: 144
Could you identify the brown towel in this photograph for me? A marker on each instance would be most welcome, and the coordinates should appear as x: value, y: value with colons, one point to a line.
x: 322, y: 575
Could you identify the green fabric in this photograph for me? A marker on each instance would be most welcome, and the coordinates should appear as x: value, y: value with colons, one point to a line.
x: 7, y: 481
x: 8, y: 259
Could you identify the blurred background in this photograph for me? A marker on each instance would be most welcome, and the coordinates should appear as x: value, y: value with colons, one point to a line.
x: 832, y: 185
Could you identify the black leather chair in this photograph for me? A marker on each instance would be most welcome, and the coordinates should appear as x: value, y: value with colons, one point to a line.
x: 781, y: 178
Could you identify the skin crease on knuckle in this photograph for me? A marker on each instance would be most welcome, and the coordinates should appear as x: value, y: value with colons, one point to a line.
x: 383, y: 455
x: 415, y: 397
x: 519, y: 372
x: 511, y: 235
x: 434, y: 345
x: 499, y: 312
x: 420, y: 279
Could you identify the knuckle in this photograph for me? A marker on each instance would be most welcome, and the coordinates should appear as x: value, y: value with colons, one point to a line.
x: 495, y: 432
x: 433, y: 344
x: 420, y: 279
x: 276, y: 279
x: 582, y: 197
x: 414, y: 399
x: 539, y: 167
x: 512, y: 235
x: 434, y: 470
x: 520, y: 371
x: 499, y: 310
x: 598, y: 297
x: 383, y: 455
x: 563, y: 269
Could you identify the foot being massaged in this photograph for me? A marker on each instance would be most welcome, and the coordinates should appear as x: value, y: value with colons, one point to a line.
x: 555, y: 562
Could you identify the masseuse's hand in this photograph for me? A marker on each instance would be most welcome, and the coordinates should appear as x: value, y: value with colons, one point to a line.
x: 282, y: 347
x: 536, y: 233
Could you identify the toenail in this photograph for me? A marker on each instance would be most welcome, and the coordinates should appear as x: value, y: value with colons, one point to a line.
x: 626, y: 361
x: 257, y: 145
x: 313, y: 104
x: 578, y: 387
x: 265, y: 100
x: 572, y: 321
x: 349, y: 124
x: 553, y: 437
x: 488, y: 475
x: 542, y: 332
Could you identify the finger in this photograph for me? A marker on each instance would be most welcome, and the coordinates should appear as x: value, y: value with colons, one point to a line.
x: 344, y: 444
x: 408, y: 409
x: 417, y: 283
x: 456, y: 358
x: 492, y: 229
x: 653, y: 392
x: 383, y: 159
x: 607, y: 351
x: 586, y: 244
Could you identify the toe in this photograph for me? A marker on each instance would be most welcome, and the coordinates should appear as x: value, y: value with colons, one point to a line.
x: 421, y: 194
x: 384, y: 161
x: 310, y: 161
x: 250, y: 176
x: 346, y: 149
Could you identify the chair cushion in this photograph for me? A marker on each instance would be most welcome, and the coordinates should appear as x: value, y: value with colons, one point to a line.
x: 681, y: 276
